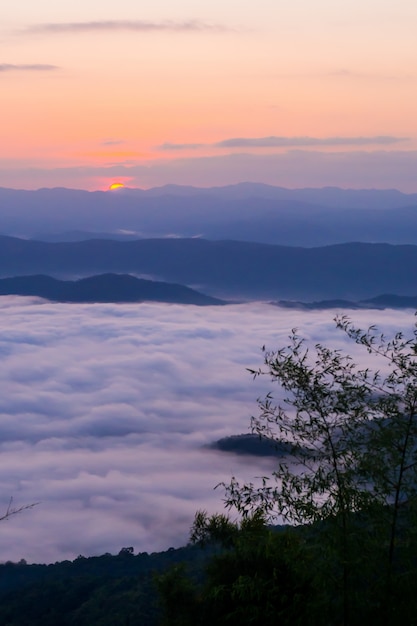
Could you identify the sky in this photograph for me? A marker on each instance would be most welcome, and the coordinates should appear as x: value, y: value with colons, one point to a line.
x: 209, y: 93
x: 109, y: 406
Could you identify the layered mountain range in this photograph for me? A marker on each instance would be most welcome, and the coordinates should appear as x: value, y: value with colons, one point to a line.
x: 227, y: 269
x: 227, y: 242
x: 244, y: 212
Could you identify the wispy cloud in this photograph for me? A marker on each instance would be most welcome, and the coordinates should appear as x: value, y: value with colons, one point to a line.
x: 34, y: 67
x: 344, y: 73
x: 287, y: 142
x: 283, y: 142
x: 113, y: 142
x: 137, y: 26
x: 183, y: 146
x: 354, y: 74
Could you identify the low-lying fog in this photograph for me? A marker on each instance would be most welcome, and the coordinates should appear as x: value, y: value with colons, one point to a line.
x: 105, y: 411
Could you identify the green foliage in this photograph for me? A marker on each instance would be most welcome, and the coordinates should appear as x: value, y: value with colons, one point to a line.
x: 178, y: 597
x: 257, y: 577
x: 215, y: 528
x: 352, y: 467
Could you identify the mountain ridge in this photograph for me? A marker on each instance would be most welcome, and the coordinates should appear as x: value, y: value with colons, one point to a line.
x: 227, y: 269
x: 103, y: 288
x: 246, y: 212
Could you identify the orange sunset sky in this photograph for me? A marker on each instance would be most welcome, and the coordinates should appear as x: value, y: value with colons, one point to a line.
x: 205, y: 93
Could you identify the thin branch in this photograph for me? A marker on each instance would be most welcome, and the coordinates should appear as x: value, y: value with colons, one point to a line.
x: 11, y: 510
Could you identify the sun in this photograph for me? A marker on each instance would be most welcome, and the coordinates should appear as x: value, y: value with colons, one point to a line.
x: 115, y: 186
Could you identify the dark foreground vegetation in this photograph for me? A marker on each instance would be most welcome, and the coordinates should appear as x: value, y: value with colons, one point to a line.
x: 263, y: 576
x: 346, y: 486
x: 97, y: 591
x: 246, y: 574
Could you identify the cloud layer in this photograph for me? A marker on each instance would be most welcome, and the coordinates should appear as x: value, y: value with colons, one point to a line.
x: 35, y: 67
x: 287, y: 142
x: 135, y: 26
x: 106, y: 408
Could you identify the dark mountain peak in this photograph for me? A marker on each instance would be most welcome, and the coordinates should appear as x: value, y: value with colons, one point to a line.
x: 109, y: 287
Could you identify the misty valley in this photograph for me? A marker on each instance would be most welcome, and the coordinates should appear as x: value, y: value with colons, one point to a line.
x: 125, y: 351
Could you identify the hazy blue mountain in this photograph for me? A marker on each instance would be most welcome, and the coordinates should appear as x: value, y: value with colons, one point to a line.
x: 103, y: 288
x: 391, y: 301
x: 83, y: 235
x: 228, y: 269
x: 383, y: 301
x: 320, y: 305
x: 244, y: 212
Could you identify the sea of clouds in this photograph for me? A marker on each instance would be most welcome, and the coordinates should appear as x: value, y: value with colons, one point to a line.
x: 106, y: 410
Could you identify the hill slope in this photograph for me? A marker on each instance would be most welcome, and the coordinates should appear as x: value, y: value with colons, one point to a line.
x: 103, y: 288
x: 354, y: 271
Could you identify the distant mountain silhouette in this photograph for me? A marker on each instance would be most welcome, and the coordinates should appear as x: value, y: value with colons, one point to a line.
x: 83, y: 235
x: 243, y: 212
x: 227, y: 269
x: 384, y: 301
x: 391, y: 301
x: 103, y: 288
x: 251, y: 444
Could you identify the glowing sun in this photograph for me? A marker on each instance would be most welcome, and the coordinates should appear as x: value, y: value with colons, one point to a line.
x: 115, y: 186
